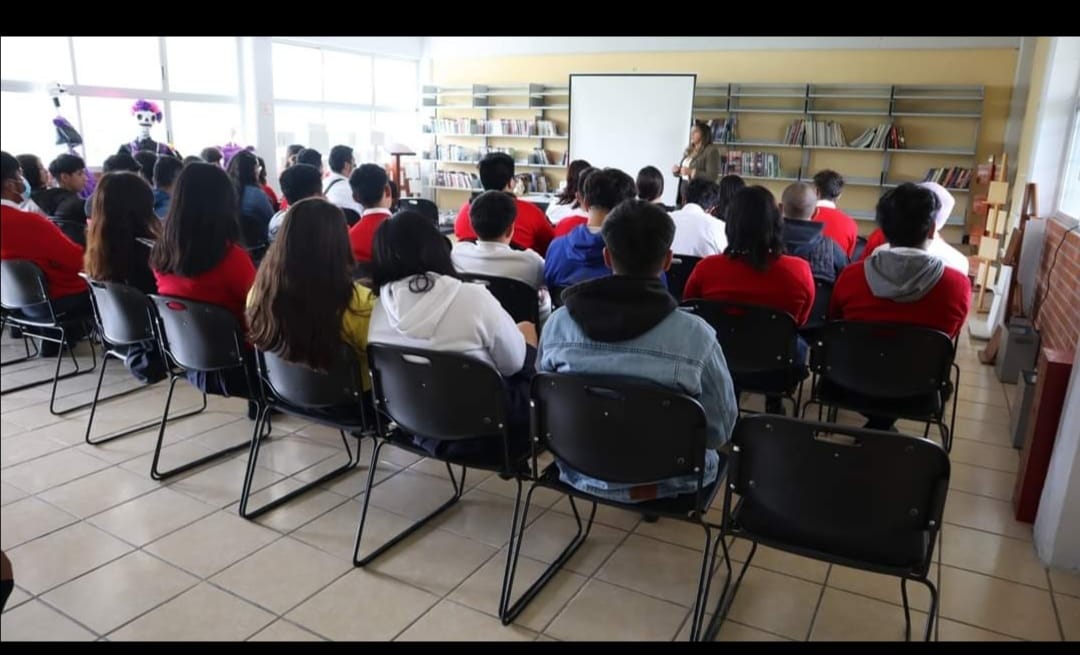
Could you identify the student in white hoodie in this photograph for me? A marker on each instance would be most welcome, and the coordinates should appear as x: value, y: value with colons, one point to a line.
x: 697, y: 232
x: 422, y: 304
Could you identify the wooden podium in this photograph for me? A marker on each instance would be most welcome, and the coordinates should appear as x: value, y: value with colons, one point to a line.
x: 1054, y: 369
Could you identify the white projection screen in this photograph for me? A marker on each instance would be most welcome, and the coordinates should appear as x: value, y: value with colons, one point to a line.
x: 629, y: 121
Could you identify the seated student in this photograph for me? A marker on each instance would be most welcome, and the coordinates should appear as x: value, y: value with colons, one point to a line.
x: 697, y: 232
x: 754, y: 270
x: 336, y: 185
x: 311, y: 157
x: 291, y: 151
x: 37, y: 176
x: 254, y: 206
x: 32, y: 237
x: 63, y: 201
x: 301, y: 307
x: 123, y: 214
x: 147, y: 160
x: 213, y: 155
x: 729, y: 186
x: 199, y: 257
x: 567, y: 202
x: 121, y: 161
x: 166, y: 170
x: 650, y: 187
x: 938, y: 247
x: 532, y: 228
x: 267, y: 189
x: 422, y: 304
x: 579, y: 255
x: 371, y: 191
x: 806, y: 238
x: 191, y: 159
x: 297, y: 182
x: 839, y: 227
x: 628, y: 325
x: 580, y: 214
x: 493, y: 217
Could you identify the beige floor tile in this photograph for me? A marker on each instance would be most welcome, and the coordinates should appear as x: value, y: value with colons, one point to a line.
x: 605, y: 515
x: 297, y: 511
x: 282, y: 630
x: 545, y: 638
x: 732, y: 631
x: 977, y: 453
x: 776, y: 603
x: 99, y: 491
x: 62, y: 555
x: 982, y: 481
x: 379, y: 608
x: 1065, y: 582
x: 221, y: 484
x: 151, y: 516
x: 230, y: 434
x: 482, y: 517
x: 136, y: 583
x: 449, y: 621
x: 35, y: 621
x: 281, y: 575
x: 548, y: 536
x: 655, y: 568
x: 481, y: 591
x: 28, y: 518
x: 882, y: 587
x: 17, y: 597
x: 991, y: 433
x: 542, y: 498
x: 982, y: 513
x: 204, y: 613
x: 1068, y: 608
x: 52, y: 470
x: 953, y: 631
x: 690, y: 535
x: 212, y: 543
x: 989, y: 395
x: 780, y: 562
x: 437, y: 469
x: 9, y: 429
x: 997, y: 414
x: 604, y: 612
x: 1014, y: 609
x: 848, y: 617
x: 352, y: 483
x: 430, y: 559
x: 172, y: 456
x: 291, y: 455
x: 334, y: 533
x: 26, y: 447
x: 398, y: 456
x: 411, y: 494
x: 1002, y: 557
x: 10, y: 493
x: 126, y: 448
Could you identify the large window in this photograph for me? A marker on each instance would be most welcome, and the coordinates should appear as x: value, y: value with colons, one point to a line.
x: 1070, y: 185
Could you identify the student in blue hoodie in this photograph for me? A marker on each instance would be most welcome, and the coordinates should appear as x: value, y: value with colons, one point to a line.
x: 579, y: 256
x: 166, y: 170
x: 805, y: 238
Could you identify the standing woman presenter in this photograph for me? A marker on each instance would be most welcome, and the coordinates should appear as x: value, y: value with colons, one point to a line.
x: 701, y: 159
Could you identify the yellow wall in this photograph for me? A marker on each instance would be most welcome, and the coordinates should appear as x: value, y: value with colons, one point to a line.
x: 1040, y: 60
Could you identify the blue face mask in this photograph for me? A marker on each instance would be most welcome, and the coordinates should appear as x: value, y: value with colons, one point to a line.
x: 25, y: 190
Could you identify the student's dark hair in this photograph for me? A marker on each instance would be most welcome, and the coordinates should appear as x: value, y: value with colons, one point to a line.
x: 395, y: 195
x: 31, y: 167
x: 408, y: 245
x: 191, y: 159
x: 65, y: 163
x: 121, y: 161
x: 123, y: 210
x: 339, y: 156
x: 573, y: 172
x: 755, y: 231
x: 368, y: 184
x: 703, y: 193
x: 608, y: 187
x: 492, y: 213
x: 297, y: 301
x: 906, y: 215
x: 310, y: 156
x: 638, y: 235
x: 261, y: 169
x: 166, y: 170
x: 729, y: 186
x: 146, y: 160
x: 9, y: 166
x: 300, y: 181
x: 211, y: 154
x: 582, y: 176
x: 829, y: 184
x: 496, y: 171
x: 201, y: 223
x: 293, y: 149
x: 243, y: 171
x: 650, y: 183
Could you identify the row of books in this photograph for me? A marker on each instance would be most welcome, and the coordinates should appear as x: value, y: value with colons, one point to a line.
x: 495, y: 127
x: 546, y: 128
x: 540, y: 156
x: 455, y: 152
x: 723, y: 131
x: 530, y: 183
x: 953, y: 178
x: 455, y: 179
x: 759, y: 164
x: 815, y: 133
x: 881, y: 136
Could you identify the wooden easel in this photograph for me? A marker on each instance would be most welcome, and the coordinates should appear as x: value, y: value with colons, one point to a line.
x: 990, y: 243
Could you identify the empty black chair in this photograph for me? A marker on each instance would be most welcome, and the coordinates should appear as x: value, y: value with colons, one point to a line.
x: 866, y: 499
x: 679, y: 273
x: 201, y: 337
x: 122, y: 315
x: 23, y: 287
x: 620, y: 431
x: 520, y: 301
x: 885, y: 369
x: 556, y: 296
x: 425, y: 207
x: 756, y: 341
x: 333, y: 398
x: 819, y: 313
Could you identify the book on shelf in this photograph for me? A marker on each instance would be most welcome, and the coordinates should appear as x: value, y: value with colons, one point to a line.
x: 494, y: 127
x: 884, y: 135
x: 815, y: 133
x: 530, y: 183
x: 956, y: 177
x: 757, y: 164
x: 539, y: 156
x: 456, y: 179
x: 723, y: 131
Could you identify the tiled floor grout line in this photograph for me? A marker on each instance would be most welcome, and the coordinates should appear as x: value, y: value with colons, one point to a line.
x: 817, y: 606
x: 1054, y: 604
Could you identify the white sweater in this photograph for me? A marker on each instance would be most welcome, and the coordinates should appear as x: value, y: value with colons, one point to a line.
x: 500, y: 260
x: 697, y: 233
x: 556, y: 212
x: 451, y: 316
x: 340, y: 193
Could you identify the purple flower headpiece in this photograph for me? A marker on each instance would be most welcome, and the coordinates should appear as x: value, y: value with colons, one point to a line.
x: 147, y: 105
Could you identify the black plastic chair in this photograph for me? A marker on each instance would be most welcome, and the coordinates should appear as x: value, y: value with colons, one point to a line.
x: 73, y: 230
x: 23, y: 286
x: 446, y: 397
x: 201, y: 337
x: 333, y: 398
x: 624, y: 432
x: 520, y: 301
x: 679, y: 273
x: 819, y: 313
x: 865, y: 499
x: 122, y: 315
x: 885, y: 369
x: 556, y: 296
x: 755, y: 340
x: 423, y: 206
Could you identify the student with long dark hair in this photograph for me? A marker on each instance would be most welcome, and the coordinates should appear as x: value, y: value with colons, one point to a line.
x: 267, y: 189
x: 567, y: 201
x: 729, y: 186
x: 254, y: 206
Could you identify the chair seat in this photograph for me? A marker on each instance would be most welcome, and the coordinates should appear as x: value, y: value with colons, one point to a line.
x: 921, y: 407
x: 492, y: 461
x: 679, y: 506
x: 350, y: 416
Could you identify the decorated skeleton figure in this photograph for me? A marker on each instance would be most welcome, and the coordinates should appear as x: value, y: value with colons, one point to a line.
x: 147, y: 113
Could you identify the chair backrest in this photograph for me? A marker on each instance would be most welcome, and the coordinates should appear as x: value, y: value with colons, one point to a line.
x: 73, y: 230
x: 827, y: 488
x: 860, y: 247
x: 753, y: 337
x: 883, y: 360
x: 438, y: 395
x: 425, y: 207
x: 196, y: 335
x: 22, y: 284
x: 679, y: 273
x: 352, y: 217
x: 519, y: 300
x: 819, y: 313
x: 618, y: 430
x: 123, y: 312
x: 303, y: 387
x: 556, y: 296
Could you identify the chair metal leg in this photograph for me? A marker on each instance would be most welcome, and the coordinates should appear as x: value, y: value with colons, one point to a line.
x: 729, y: 599
x: 907, y: 610
x: 508, y: 614
x: 459, y: 489
x: 56, y: 374
x: 708, y: 571
x: 26, y: 345
x: 136, y: 428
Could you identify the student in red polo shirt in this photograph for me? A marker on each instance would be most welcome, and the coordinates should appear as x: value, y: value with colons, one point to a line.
x: 580, y: 214
x: 839, y: 227
x: 531, y: 228
x: 371, y: 188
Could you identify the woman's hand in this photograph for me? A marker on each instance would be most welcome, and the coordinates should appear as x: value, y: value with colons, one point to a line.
x: 685, y: 170
x: 675, y: 169
x: 528, y: 330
